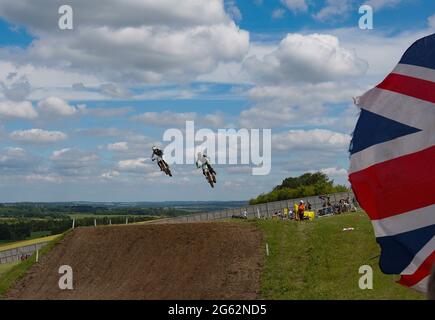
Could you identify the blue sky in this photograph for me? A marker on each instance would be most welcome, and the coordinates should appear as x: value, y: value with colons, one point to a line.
x: 80, y: 109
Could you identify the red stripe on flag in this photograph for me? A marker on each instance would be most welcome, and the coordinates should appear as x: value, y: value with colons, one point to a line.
x: 396, y: 186
x: 413, y: 87
x: 422, y: 272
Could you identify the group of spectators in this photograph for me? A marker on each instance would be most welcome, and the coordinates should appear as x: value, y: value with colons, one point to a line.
x: 300, y: 208
x: 296, y: 213
x: 343, y: 205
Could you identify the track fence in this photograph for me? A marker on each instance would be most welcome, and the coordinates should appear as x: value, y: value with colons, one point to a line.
x: 20, y: 253
x: 264, y: 210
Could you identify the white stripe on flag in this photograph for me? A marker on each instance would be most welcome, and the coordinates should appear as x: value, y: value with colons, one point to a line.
x: 414, y: 112
x: 391, y: 149
x: 404, y: 222
x: 422, y: 286
x: 415, y: 72
x: 420, y: 257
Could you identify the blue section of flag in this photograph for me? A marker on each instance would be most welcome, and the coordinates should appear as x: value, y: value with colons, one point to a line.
x: 421, y: 53
x: 399, y: 250
x: 372, y: 129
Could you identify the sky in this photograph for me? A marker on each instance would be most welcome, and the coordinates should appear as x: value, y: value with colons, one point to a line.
x: 80, y: 109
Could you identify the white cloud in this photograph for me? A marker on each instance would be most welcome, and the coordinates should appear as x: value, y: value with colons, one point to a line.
x: 156, y: 40
x: 278, y: 13
x: 233, y: 11
x: 334, y: 172
x: 110, y: 175
x: 37, y: 136
x: 115, y: 91
x: 11, y: 109
x: 118, y: 146
x: 178, y: 119
x: 74, y: 162
x: 16, y: 160
x: 296, y: 5
x: 138, y: 165
x: 334, y: 10
x: 315, y: 139
x: 56, y: 106
x: 16, y: 89
x: 306, y: 58
x: 165, y: 118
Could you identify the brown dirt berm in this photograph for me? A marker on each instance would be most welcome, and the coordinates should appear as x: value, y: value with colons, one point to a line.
x: 179, y: 261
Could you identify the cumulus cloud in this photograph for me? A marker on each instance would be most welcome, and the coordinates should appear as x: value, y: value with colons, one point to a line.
x: 16, y: 161
x: 165, y: 118
x: 334, y: 10
x: 295, y: 5
x: 315, y: 139
x: 334, y: 172
x: 306, y: 58
x: 178, y: 119
x: 15, y: 89
x: 138, y: 165
x: 156, y: 40
x: 118, y: 146
x: 74, y: 162
x: 11, y: 109
x: 37, y: 136
x: 115, y: 91
x: 110, y: 175
x: 233, y: 11
x: 56, y: 106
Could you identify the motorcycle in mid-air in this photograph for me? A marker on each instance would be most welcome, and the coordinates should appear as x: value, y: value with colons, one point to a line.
x: 210, y: 176
x: 164, y: 166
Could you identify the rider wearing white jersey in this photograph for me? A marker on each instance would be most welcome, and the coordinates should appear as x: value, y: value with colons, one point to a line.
x: 203, y: 161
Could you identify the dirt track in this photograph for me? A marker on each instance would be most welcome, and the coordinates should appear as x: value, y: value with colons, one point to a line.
x: 179, y: 261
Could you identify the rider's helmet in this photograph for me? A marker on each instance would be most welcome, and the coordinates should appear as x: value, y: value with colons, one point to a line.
x: 199, y: 154
x: 154, y: 148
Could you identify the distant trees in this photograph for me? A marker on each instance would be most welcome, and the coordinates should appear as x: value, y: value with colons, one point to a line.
x: 308, y: 184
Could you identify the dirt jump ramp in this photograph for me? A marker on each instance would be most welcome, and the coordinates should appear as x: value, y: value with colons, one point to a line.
x: 177, y: 261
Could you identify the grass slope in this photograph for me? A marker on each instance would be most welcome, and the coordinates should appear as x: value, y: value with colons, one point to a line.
x: 12, y: 245
x: 317, y: 260
x: 13, y: 272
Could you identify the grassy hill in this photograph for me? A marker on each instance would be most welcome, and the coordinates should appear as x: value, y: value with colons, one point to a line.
x: 317, y: 260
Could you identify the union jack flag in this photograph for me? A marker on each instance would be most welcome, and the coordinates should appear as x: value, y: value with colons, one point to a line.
x: 392, y: 167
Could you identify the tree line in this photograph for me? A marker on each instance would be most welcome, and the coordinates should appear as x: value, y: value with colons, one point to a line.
x: 306, y: 185
x: 23, y: 228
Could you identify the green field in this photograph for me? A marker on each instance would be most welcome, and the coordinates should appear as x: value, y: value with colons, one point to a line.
x: 317, y: 260
x: 6, y: 267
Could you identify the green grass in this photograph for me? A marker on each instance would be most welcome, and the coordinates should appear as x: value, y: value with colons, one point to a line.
x: 12, y: 245
x: 15, y: 272
x: 317, y: 260
x: 6, y: 267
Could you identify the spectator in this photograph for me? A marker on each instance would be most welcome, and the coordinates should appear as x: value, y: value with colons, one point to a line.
x: 301, y: 210
x: 308, y: 206
x: 295, y: 211
x: 245, y: 214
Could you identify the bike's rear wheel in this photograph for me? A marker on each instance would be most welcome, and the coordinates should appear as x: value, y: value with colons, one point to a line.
x: 210, y: 180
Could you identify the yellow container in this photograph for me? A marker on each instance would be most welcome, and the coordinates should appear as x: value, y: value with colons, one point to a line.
x: 310, y: 215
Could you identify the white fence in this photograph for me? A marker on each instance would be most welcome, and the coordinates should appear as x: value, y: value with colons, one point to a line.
x: 263, y: 210
x: 11, y: 255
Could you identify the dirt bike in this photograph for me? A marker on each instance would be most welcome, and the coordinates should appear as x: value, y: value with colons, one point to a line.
x: 165, y: 167
x: 211, y: 178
